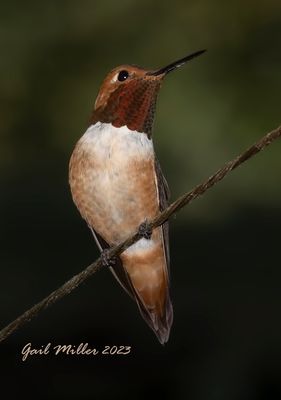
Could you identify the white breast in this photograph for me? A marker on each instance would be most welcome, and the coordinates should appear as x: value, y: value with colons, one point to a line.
x: 116, y: 145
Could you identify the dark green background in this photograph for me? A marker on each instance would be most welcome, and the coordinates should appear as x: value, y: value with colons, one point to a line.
x: 226, y: 339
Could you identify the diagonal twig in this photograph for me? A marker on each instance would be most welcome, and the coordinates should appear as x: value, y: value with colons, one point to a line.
x: 182, y: 201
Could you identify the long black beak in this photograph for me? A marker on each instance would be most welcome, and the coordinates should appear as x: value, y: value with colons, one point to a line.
x: 176, y: 64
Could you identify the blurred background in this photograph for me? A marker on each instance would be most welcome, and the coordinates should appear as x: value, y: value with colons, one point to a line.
x: 225, y: 247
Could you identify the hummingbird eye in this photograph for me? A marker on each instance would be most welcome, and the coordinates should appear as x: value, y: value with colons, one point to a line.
x: 123, y: 75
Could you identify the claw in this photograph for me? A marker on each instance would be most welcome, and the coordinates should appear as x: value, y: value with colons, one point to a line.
x: 106, y: 260
x: 145, y: 230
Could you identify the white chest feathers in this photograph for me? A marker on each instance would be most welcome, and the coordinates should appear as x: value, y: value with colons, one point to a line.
x: 116, y: 145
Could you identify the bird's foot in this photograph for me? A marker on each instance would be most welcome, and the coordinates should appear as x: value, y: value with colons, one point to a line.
x: 145, y: 230
x: 106, y: 260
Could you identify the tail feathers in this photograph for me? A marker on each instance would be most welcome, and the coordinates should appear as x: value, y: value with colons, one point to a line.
x: 160, y: 324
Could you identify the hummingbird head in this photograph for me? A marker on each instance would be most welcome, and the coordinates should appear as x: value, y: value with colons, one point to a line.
x: 128, y: 95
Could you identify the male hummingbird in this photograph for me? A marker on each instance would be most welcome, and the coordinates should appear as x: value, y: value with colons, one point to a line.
x: 117, y: 184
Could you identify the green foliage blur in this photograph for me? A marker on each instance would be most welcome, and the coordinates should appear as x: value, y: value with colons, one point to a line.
x: 225, y: 257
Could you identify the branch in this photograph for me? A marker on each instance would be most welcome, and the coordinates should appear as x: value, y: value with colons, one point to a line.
x: 113, y: 251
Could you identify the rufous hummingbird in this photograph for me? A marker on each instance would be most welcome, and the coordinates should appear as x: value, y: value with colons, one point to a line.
x: 117, y: 184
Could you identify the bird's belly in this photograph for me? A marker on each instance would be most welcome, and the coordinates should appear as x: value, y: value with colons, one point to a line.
x: 120, y: 201
x: 112, y: 179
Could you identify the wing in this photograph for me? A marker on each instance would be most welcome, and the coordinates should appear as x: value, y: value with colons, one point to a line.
x: 117, y: 269
x: 164, y: 195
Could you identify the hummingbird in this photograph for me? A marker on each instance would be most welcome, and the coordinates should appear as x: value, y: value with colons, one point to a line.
x: 117, y: 183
